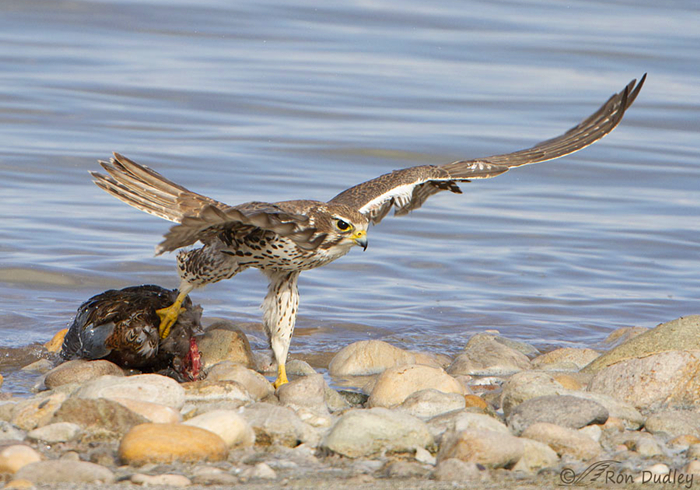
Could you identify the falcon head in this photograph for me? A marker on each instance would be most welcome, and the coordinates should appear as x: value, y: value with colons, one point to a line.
x: 343, y: 226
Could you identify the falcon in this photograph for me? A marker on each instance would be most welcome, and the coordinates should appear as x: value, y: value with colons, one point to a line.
x: 284, y: 238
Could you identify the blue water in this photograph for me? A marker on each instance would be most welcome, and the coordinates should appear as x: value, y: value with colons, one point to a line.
x: 276, y: 100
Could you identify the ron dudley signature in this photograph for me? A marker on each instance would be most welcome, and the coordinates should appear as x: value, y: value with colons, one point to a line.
x: 605, y: 473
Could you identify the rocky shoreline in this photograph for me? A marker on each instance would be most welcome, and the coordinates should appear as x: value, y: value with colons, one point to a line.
x: 498, y: 414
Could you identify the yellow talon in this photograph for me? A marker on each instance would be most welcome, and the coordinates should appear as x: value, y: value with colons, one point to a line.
x: 281, y: 376
x: 168, y: 316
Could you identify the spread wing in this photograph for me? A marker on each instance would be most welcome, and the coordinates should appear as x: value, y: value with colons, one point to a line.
x: 407, y: 189
x: 199, y: 218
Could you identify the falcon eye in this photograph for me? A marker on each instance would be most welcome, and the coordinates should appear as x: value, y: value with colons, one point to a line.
x: 342, y: 225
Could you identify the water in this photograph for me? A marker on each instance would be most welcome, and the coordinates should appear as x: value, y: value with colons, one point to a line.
x: 272, y: 100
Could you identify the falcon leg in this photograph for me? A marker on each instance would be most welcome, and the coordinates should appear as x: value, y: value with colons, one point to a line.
x: 168, y: 316
x: 279, y: 316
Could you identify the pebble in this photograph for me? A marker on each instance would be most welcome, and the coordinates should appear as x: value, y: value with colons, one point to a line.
x: 475, y: 401
x: 19, y: 485
x: 592, y: 431
x: 692, y: 468
x: 217, y: 394
x: 228, y: 424
x: 622, y: 335
x: 152, y: 388
x: 647, y: 447
x: 395, y: 384
x: 164, y: 480
x: 565, y: 359
x: 491, y: 449
x: 459, y: 421
x: 167, y: 443
x: 526, y: 385
x: 297, y: 367
x: 565, y: 441
x: 260, y: 471
x: 80, y: 371
x: 669, y: 380
x: 493, y: 335
x: 673, y: 423
x: 56, y: 342
x: 693, y: 451
x: 100, y: 417
x: 631, y: 417
x: 16, y: 456
x: 683, y: 442
x: 42, y: 366
x: 365, y: 432
x: 456, y: 470
x: 257, y: 385
x: 307, y: 391
x: 488, y: 358
x: 423, y: 456
x: 277, y: 425
x: 224, y: 341
x: 152, y: 412
x: 536, y: 455
x: 368, y: 357
x: 564, y: 410
x: 404, y: 469
x: 569, y: 382
x: 426, y: 404
x: 65, y: 471
x: 37, y: 411
x: 57, y: 432
x: 9, y: 432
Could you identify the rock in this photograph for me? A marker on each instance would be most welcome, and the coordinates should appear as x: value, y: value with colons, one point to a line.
x: 565, y: 359
x: 423, y: 456
x: 260, y: 471
x: 475, y: 401
x: 486, y: 337
x: 297, y: 367
x: 65, y: 471
x: 526, y: 385
x: 536, y: 455
x: 426, y: 404
x: 670, y: 380
x: 366, y: 432
x: 42, y: 366
x: 488, y: 358
x: 57, y: 432
x: 37, y: 411
x: 167, y: 443
x: 459, y: 421
x: 19, y: 485
x: 564, y: 410
x: 491, y: 449
x: 257, y: 385
x: 152, y: 388
x: 368, y: 357
x: 334, y: 400
x: 217, y: 394
x: 54, y: 345
x: 208, y: 475
x: 80, y: 371
x: 152, y: 412
x: 164, y: 480
x: 683, y: 442
x: 395, y: 384
x: 102, y: 418
x: 224, y: 341
x: 674, y: 423
x: 307, y: 391
x: 622, y: 335
x: 228, y: 424
x: 16, y: 456
x: 692, y: 468
x: 569, y: 382
x: 616, y: 408
x: 565, y: 441
x: 682, y: 334
x: 9, y: 432
x: 404, y: 469
x: 593, y: 431
x: 276, y: 425
x: 456, y: 470
x: 647, y: 447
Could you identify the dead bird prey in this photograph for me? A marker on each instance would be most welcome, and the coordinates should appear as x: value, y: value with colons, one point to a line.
x: 121, y: 326
x: 284, y: 238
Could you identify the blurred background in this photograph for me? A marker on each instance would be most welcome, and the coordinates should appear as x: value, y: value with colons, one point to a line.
x: 275, y: 100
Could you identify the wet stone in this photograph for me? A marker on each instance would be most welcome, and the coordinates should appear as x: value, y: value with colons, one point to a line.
x: 255, y: 383
x: 152, y: 388
x: 224, y: 341
x: 368, y: 357
x: 396, y: 384
x: 80, y: 371
x: 488, y: 358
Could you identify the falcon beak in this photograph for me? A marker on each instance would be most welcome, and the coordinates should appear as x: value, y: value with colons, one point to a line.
x: 360, y: 238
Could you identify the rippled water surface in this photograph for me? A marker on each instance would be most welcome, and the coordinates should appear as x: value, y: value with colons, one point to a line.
x: 275, y: 100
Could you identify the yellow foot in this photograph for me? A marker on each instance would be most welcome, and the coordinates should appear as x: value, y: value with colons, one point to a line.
x: 168, y: 317
x: 281, y: 377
